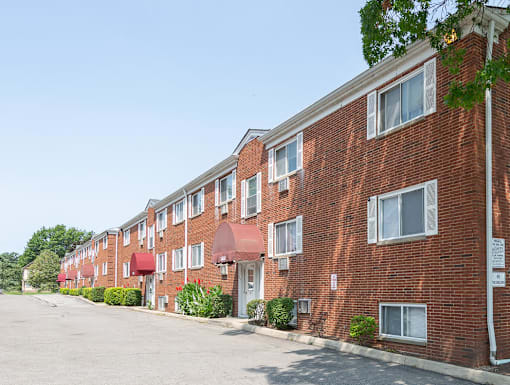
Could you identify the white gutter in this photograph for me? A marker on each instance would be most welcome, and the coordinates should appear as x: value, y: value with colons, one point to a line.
x: 488, y: 207
x: 185, y: 253
x: 116, y: 247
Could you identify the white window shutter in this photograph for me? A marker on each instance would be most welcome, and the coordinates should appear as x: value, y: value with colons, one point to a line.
x: 299, y: 234
x: 173, y: 260
x: 139, y: 233
x: 202, y: 252
x: 166, y: 261
x: 259, y: 192
x: 429, y: 88
x: 431, y: 207
x: 243, y: 198
x: 165, y: 215
x: 372, y: 220
x: 189, y: 206
x: 234, y: 173
x: 371, y: 114
x: 202, y: 198
x: 216, y: 192
x: 173, y: 214
x: 189, y: 256
x: 270, y: 165
x: 270, y: 234
x: 300, y: 151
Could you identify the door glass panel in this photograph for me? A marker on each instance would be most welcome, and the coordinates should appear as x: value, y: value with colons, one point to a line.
x: 250, y: 278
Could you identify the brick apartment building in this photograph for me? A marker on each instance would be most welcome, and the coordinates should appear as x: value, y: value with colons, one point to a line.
x: 370, y: 201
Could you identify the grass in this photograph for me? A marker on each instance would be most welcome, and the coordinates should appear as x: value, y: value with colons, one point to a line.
x: 20, y: 293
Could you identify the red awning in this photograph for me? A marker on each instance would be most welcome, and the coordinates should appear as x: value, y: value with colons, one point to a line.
x: 87, y: 270
x: 142, y: 264
x: 61, y: 277
x: 236, y: 242
x: 71, y: 275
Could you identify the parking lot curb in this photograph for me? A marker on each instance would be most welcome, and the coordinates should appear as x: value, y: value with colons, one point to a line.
x: 469, y: 374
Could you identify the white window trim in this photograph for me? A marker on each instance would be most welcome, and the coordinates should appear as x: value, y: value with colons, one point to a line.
x: 397, y: 193
x: 275, y: 240
x: 176, y: 222
x: 142, y: 234
x: 149, y: 246
x: 402, y: 305
x: 219, y: 189
x: 124, y: 271
x: 159, y: 270
x: 161, y: 225
x: 126, y: 237
x: 105, y: 268
x: 183, y: 261
x: 199, y: 194
x: 286, y: 143
x: 246, y: 197
x: 105, y: 242
x: 201, y: 256
x: 387, y: 88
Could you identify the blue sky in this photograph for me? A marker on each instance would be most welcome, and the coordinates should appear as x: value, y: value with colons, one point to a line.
x: 105, y: 104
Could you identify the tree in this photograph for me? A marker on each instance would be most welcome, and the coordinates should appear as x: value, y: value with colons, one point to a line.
x: 44, y: 271
x: 58, y: 239
x: 389, y: 26
x: 10, y: 272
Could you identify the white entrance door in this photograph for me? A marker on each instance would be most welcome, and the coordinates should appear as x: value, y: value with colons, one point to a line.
x: 249, y: 275
x: 150, y: 293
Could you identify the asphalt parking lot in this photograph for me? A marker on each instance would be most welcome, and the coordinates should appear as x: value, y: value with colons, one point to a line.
x: 54, y: 339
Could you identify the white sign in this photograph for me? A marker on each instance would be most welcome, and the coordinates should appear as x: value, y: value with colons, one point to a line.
x: 498, y: 279
x: 498, y: 253
x: 333, y: 282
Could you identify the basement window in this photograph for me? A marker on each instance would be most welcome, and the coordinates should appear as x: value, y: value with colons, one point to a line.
x: 405, y: 321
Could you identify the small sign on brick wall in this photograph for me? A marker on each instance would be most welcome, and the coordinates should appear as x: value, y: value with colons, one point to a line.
x: 498, y: 253
x: 333, y: 282
x: 498, y: 279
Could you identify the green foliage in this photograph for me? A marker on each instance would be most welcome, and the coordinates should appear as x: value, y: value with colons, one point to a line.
x: 389, y: 26
x: 44, y: 271
x: 97, y: 294
x: 256, y: 310
x: 64, y: 291
x: 279, y: 312
x: 57, y: 239
x: 85, y: 292
x: 10, y: 272
x: 75, y: 292
x: 132, y: 297
x: 362, y: 328
x: 195, y: 300
x: 114, y: 296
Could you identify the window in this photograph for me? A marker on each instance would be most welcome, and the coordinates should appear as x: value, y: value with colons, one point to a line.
x: 179, y: 212
x: 408, y: 321
x: 96, y: 246
x: 125, y: 269
x: 105, y: 268
x: 286, y: 237
x: 251, y: 196
x: 226, y: 189
x: 105, y: 242
x: 402, y: 103
x: 196, y: 203
x: 161, y: 263
x: 161, y: 302
x: 197, y: 255
x: 161, y: 220
x: 286, y: 159
x: 127, y: 237
x: 151, y: 237
x: 178, y: 259
x: 141, y: 231
x: 96, y: 270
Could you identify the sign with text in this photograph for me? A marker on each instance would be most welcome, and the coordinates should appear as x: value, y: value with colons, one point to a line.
x: 333, y: 282
x: 498, y: 253
x: 498, y: 279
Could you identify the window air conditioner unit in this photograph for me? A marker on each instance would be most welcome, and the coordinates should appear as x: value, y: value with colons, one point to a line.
x: 140, y: 279
x: 141, y: 242
x: 283, y: 185
x: 160, y: 276
x: 166, y: 299
x: 224, y: 208
x: 160, y: 234
x: 283, y: 263
x: 304, y: 306
x: 224, y: 269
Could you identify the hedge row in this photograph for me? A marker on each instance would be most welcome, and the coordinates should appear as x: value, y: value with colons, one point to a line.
x: 95, y: 294
x: 277, y: 312
x: 123, y: 296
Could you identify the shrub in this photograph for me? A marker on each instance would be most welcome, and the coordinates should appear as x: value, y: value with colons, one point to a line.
x: 64, y: 291
x: 75, y: 292
x: 114, y: 295
x: 256, y: 310
x: 195, y: 300
x: 132, y: 297
x: 279, y: 312
x: 96, y: 294
x: 362, y: 328
x: 221, y: 306
x: 80, y: 290
x: 85, y: 292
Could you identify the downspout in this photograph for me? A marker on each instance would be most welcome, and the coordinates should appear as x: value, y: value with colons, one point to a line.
x: 488, y: 207
x: 116, y: 248
x: 186, y: 236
